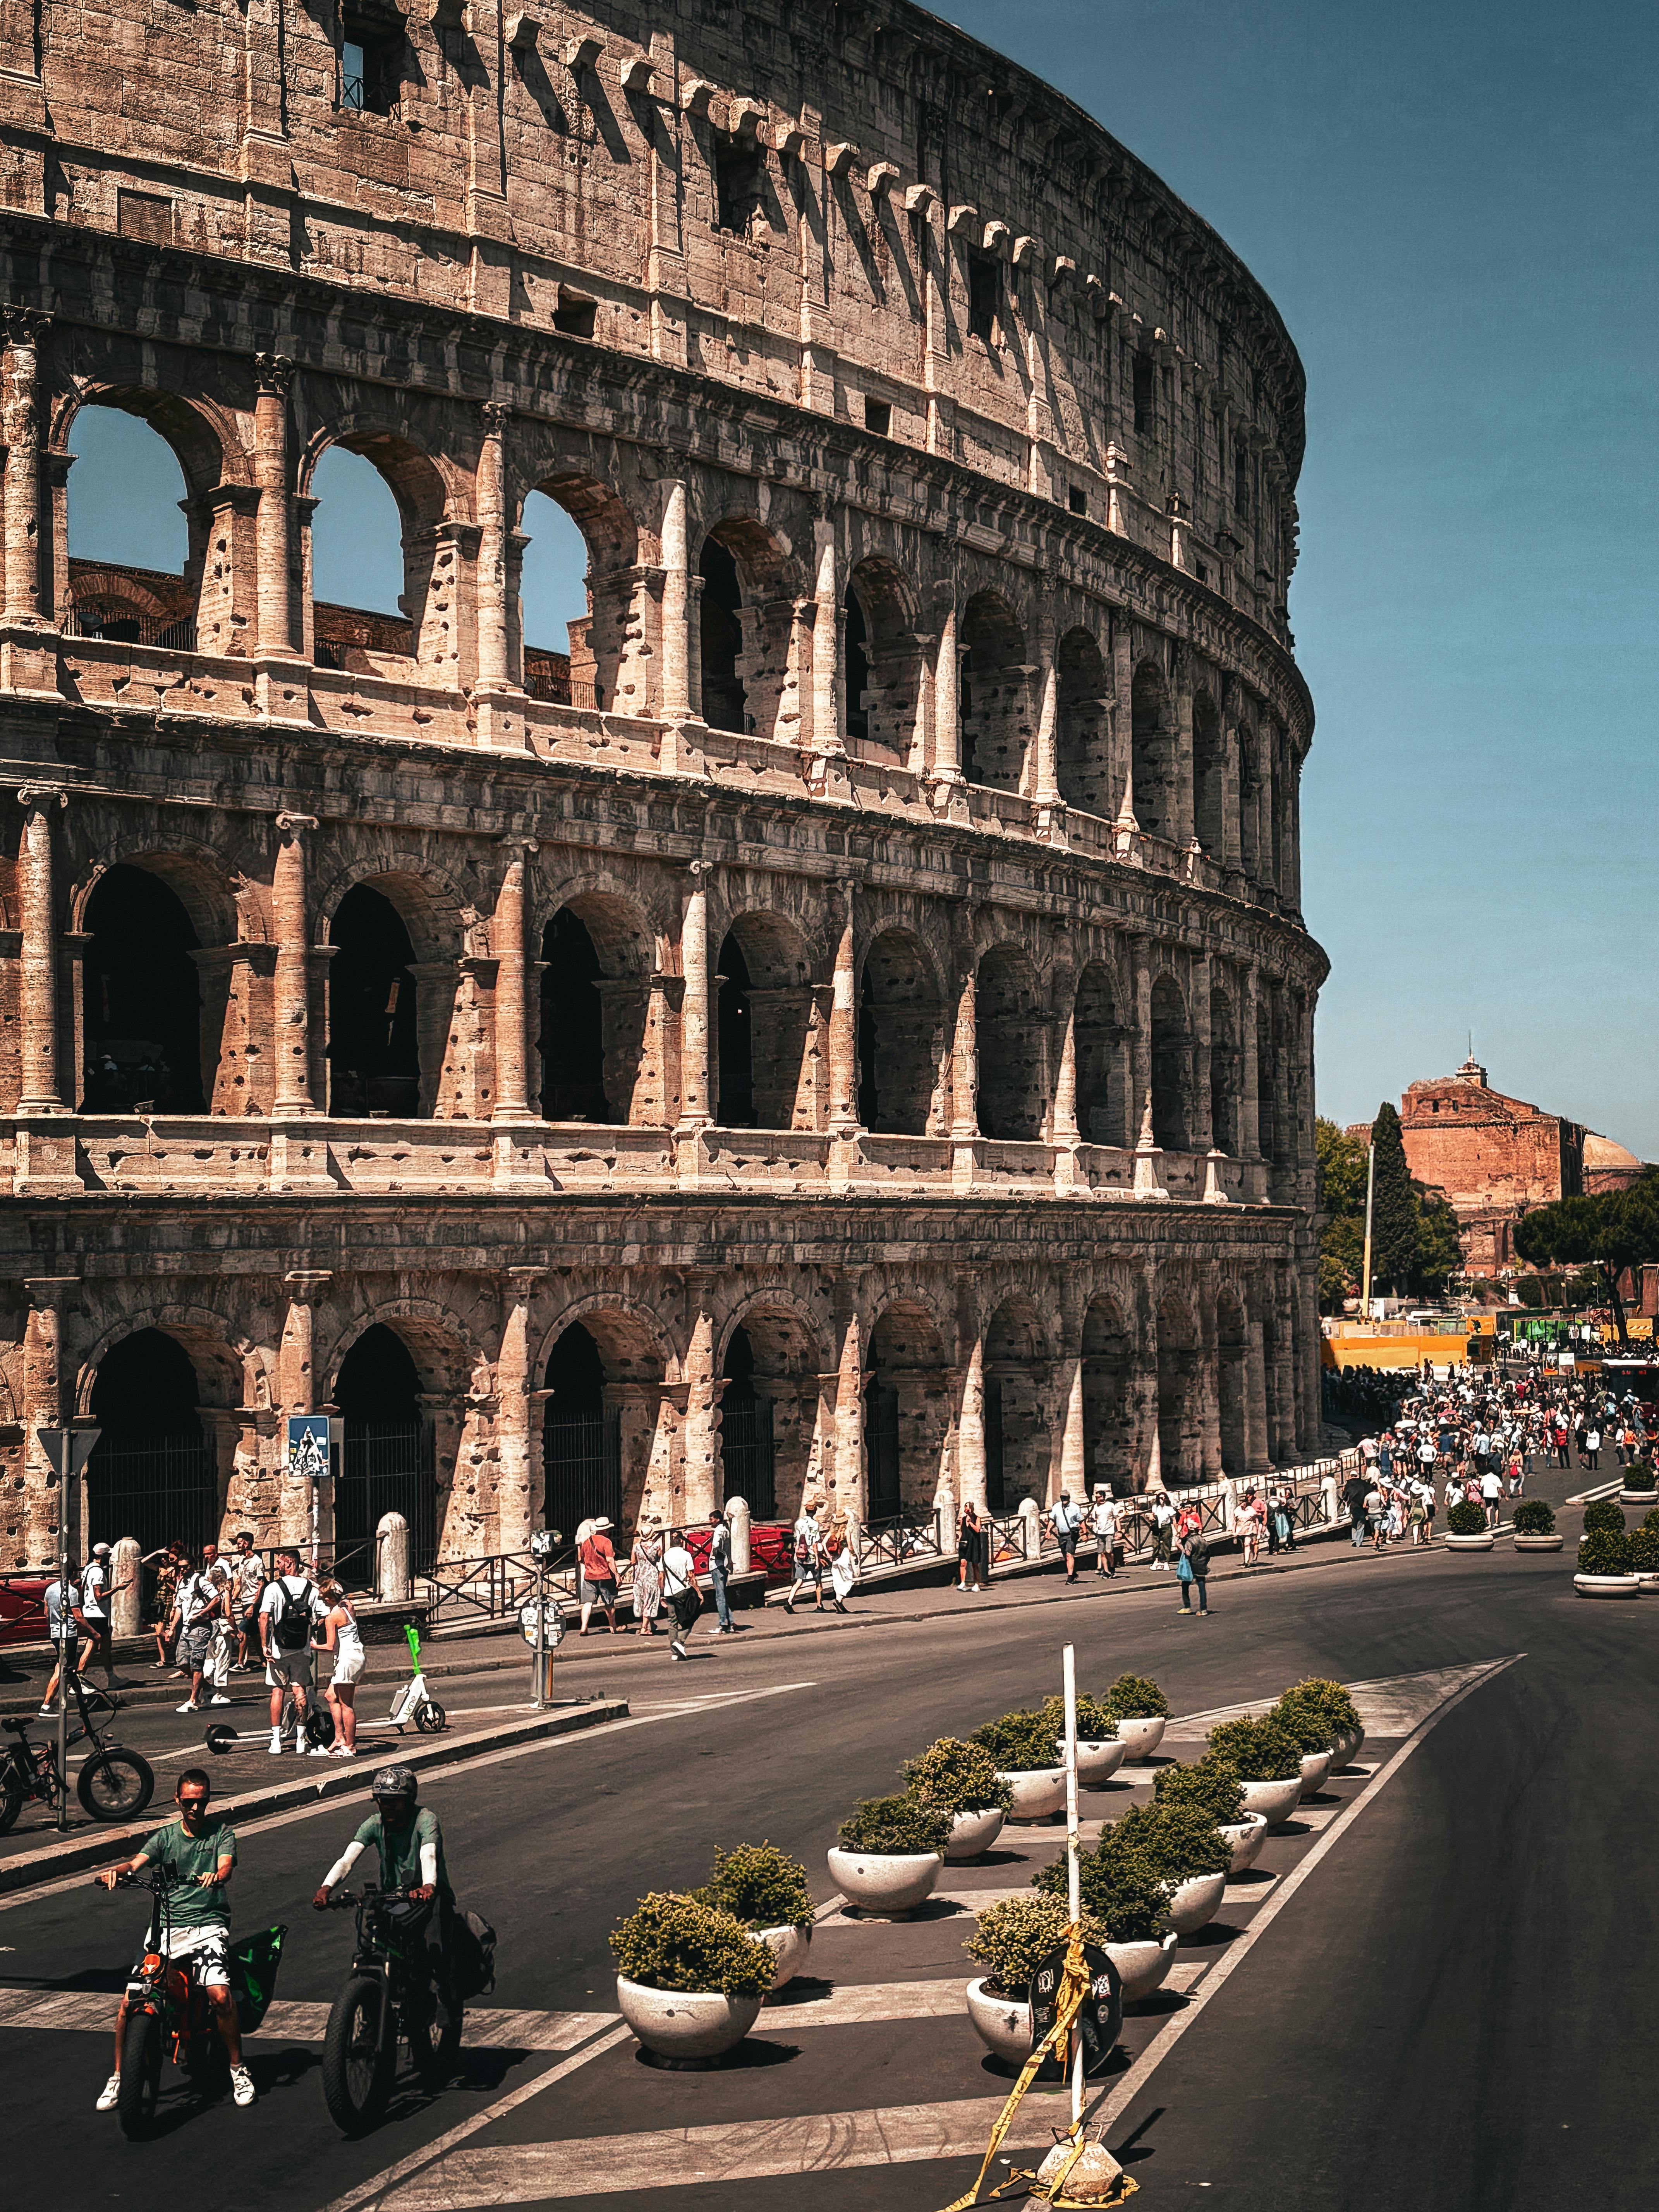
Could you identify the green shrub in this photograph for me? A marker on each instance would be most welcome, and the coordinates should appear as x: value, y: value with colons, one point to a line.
x: 1094, y: 1721
x: 1603, y: 1513
x: 1644, y: 1549
x: 958, y: 1778
x: 1533, y: 1517
x: 1465, y: 1519
x: 672, y: 1942
x: 761, y: 1886
x: 1136, y: 1697
x: 895, y: 1826
x: 1019, y: 1742
x: 1256, y: 1750
x: 1312, y: 1731
x: 1605, y: 1551
x: 1650, y: 1520
x: 1014, y: 1937
x: 1208, y: 1785
x: 1122, y: 1888
x: 1179, y: 1840
x: 1329, y: 1699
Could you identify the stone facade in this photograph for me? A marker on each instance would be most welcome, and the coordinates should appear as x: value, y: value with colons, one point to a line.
x: 860, y: 1034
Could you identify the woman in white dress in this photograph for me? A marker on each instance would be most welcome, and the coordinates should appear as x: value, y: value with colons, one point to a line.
x: 343, y: 1637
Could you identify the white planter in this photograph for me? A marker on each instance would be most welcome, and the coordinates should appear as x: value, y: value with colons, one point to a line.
x: 972, y: 1834
x: 1538, y: 1543
x: 1470, y: 1543
x: 889, y: 1885
x: 1315, y: 1771
x: 688, y: 2028
x: 1346, y: 1749
x: 1141, y: 1738
x: 1247, y: 1837
x: 1002, y: 2024
x: 790, y: 1947
x: 1038, y: 1792
x: 1143, y: 1968
x: 1195, y: 1903
x: 1649, y: 1584
x: 1606, y: 1585
x: 1274, y: 1801
x: 1096, y: 1763
x: 1638, y: 1498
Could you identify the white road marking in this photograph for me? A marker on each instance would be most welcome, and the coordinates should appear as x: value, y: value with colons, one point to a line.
x: 1392, y: 1706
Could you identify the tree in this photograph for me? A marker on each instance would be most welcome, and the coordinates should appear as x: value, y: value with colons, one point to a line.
x: 1341, y: 1164
x: 1439, y: 1253
x: 1394, y: 1211
x: 1609, y: 1234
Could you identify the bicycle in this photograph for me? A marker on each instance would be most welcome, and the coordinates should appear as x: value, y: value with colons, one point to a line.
x: 389, y: 1998
x: 167, y: 2009
x: 114, y: 1783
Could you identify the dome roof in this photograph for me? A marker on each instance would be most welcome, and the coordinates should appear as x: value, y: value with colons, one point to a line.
x: 1602, y: 1153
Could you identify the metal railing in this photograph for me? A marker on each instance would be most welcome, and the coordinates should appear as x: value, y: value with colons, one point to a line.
x: 902, y: 1539
x: 129, y: 628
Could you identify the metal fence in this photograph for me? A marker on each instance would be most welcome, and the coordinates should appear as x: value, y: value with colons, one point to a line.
x: 129, y: 628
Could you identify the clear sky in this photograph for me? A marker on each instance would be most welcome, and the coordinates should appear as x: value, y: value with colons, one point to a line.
x: 1456, y: 207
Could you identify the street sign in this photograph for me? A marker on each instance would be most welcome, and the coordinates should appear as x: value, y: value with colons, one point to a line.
x: 548, y: 1614
x: 69, y: 1450
x: 545, y: 1542
x: 1101, y: 2016
x: 308, y: 1439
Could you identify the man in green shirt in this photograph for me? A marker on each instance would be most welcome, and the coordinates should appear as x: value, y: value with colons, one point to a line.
x: 198, y: 1850
x: 408, y: 1843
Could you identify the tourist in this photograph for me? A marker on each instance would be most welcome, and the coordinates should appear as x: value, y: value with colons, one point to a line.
x: 1283, y: 1521
x: 1104, y: 1524
x: 1491, y: 1496
x: 1253, y: 1519
x: 970, y: 1538
x: 249, y: 1571
x: 843, y: 1562
x: 1593, y: 1450
x: 1192, y: 1569
x: 1355, y: 1491
x: 679, y: 1582
x: 342, y: 1637
x: 170, y: 1562
x: 1164, y: 1516
x: 720, y: 1570
x: 595, y: 1571
x: 809, y: 1557
x: 646, y: 1560
x: 1065, y: 1520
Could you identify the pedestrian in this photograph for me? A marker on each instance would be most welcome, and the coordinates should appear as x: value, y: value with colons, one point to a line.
x: 197, y: 1603
x: 1193, y: 1570
x: 1377, y: 1516
x: 1104, y: 1521
x: 1284, y: 1522
x: 596, y: 1568
x: 720, y: 1569
x: 1492, y: 1495
x: 844, y: 1561
x: 646, y: 1560
x: 342, y: 1637
x: 970, y: 1537
x: 1252, y: 1520
x: 65, y: 1630
x: 808, y: 1542
x: 1065, y: 1520
x: 1417, y: 1515
x: 1354, y: 1493
x: 1163, y: 1533
x: 97, y: 1595
x: 679, y: 1582
x: 249, y: 1570
x: 289, y: 1610
x: 1593, y: 1450
x: 170, y: 1562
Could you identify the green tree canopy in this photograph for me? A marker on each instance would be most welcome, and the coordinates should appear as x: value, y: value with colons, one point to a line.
x: 1394, y: 1208
x: 1609, y: 1233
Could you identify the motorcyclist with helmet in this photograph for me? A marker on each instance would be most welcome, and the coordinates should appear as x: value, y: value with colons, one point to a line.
x: 409, y: 1845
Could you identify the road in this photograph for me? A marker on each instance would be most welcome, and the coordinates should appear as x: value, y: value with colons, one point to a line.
x: 1454, y: 2008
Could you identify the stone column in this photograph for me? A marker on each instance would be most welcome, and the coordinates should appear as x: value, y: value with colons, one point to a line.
x: 1140, y: 1052
x: 694, y: 1074
x: 964, y: 1053
x: 515, y: 1514
x: 1064, y: 1133
x: 1283, y: 1368
x: 845, y: 1390
x: 970, y: 1420
x: 1045, y: 785
x: 1123, y: 748
x: 828, y: 623
x: 25, y: 605
x: 1073, y: 1460
x: 1250, y: 1103
x: 843, y: 1029
x: 674, y: 702
x: 701, y: 1471
x: 1257, y: 1457
x: 506, y: 943
x: 1200, y: 1131
x: 292, y: 992
x: 947, y: 711
x: 48, y: 1402
x: 497, y: 699
x: 42, y: 1080
x: 296, y: 1390
x: 273, y: 375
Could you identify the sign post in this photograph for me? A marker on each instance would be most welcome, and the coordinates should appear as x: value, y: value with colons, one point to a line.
x: 312, y: 1439
x: 69, y: 1451
x: 541, y: 1624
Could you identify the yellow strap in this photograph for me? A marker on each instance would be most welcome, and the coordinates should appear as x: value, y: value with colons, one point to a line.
x: 1073, y: 1989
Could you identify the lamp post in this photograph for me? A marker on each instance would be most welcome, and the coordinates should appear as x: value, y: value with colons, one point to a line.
x: 69, y: 1451
x: 1370, y: 1181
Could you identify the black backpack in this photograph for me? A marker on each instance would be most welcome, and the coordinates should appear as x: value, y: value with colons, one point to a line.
x: 290, y: 1629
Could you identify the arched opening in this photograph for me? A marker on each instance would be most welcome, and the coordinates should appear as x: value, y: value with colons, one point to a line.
x: 1224, y: 1073
x: 1016, y: 1440
x: 907, y: 1416
x: 1151, y: 747
x: 765, y: 1018
x: 724, y: 702
x: 746, y: 1439
x: 769, y: 1413
x: 374, y: 1039
x: 855, y: 639
x: 898, y: 1036
x: 1108, y: 1434
x: 1012, y: 1043
x: 1082, y: 760
x: 142, y: 998
x: 1171, y: 1068
x: 1269, y: 1121
x: 581, y: 1437
x: 1179, y: 1442
x: 747, y: 630
x: 364, y: 609
x: 1249, y: 804
x: 583, y: 644
x: 133, y: 575
x: 152, y: 1473
x: 1231, y: 1350
x: 553, y: 605
x: 883, y: 663
x: 1206, y: 775
x: 735, y: 1038
x: 1103, y: 1063
x: 993, y: 695
x: 387, y: 1455
x: 595, y: 1002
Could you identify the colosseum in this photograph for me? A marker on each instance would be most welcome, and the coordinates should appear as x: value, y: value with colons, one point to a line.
x: 841, y: 1017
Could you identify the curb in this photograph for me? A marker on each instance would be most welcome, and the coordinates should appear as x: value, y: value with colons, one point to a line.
x: 345, y: 1778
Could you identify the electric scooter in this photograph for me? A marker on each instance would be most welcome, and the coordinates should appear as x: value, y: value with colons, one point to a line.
x: 412, y: 1706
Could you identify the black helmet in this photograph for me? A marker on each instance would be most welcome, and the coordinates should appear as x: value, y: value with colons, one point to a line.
x: 394, y: 1782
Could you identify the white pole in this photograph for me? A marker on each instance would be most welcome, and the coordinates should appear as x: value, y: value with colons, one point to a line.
x: 1370, y: 1178
x: 1073, y: 1878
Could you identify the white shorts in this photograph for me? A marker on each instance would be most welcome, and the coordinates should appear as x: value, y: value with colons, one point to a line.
x: 348, y: 1666
x: 208, y: 1945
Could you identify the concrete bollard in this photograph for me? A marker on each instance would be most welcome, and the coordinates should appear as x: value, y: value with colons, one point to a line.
x: 737, y: 1516
x: 1031, y: 1515
x: 391, y: 1582
x: 126, y: 1607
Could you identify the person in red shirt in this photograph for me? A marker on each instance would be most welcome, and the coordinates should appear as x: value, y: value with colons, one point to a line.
x: 597, y: 1560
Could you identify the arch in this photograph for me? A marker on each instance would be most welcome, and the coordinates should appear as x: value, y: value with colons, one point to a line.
x: 602, y: 1367
x: 596, y: 999
x: 153, y: 1473
x: 1016, y: 1430
x: 746, y: 628
x: 1151, y: 743
x: 900, y: 1040
x: 1269, y: 1115
x: 1179, y: 1413
x: 907, y: 1412
x: 387, y: 1458
x: 769, y: 1404
x: 765, y: 1019
x: 1249, y: 804
x: 1171, y: 1066
x: 1012, y: 1045
x: 1208, y: 779
x: 374, y: 1031
x: 1223, y: 1071
x: 1082, y: 753
x: 425, y: 628
x: 144, y: 1032
x: 995, y: 695
x: 1101, y: 1045
x: 883, y: 663
x: 1108, y: 1424
x: 608, y: 652
x: 1232, y: 1353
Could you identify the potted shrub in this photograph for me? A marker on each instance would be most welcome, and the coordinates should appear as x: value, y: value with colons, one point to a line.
x: 1023, y: 1746
x: 962, y: 1779
x: 1213, y: 1788
x: 1467, y: 1530
x: 1602, y: 1513
x: 1604, y: 1566
x: 890, y: 1855
x: 1099, y: 1750
x: 1644, y: 1554
x: 689, y: 1978
x: 1332, y: 1702
x: 1139, y: 1711
x: 1012, y: 1940
x: 1534, y: 1527
x: 1638, y: 1486
x: 1312, y: 1731
x: 1267, y: 1762
x: 766, y: 1890
x: 1185, y: 1846
x: 1129, y: 1897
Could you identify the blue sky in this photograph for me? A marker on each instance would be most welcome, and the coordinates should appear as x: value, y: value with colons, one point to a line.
x: 1454, y: 208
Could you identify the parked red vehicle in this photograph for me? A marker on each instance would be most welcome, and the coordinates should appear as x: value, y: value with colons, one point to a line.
x: 23, y: 1608
x: 769, y: 1549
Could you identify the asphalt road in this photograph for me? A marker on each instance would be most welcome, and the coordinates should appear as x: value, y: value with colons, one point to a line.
x: 1454, y: 2009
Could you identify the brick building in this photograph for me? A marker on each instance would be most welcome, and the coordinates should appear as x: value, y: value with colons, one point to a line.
x: 847, y: 1024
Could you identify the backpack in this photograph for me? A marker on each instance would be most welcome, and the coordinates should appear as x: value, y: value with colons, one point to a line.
x: 471, y: 1955
x: 290, y: 1629
x: 1198, y: 1552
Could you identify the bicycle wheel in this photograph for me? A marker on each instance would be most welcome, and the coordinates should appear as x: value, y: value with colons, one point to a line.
x: 434, y: 2055
x: 11, y: 1801
x: 356, y: 2077
x: 141, y: 2075
x: 115, y: 1785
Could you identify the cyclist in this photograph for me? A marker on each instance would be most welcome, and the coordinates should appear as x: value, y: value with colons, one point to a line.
x: 409, y: 1845
x: 198, y: 1850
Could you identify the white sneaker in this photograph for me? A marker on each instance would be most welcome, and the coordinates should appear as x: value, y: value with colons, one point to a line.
x: 241, y: 2085
x: 190, y: 1706
x: 109, y: 2092
x: 215, y: 1699
x: 317, y: 1751
x: 276, y: 1744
